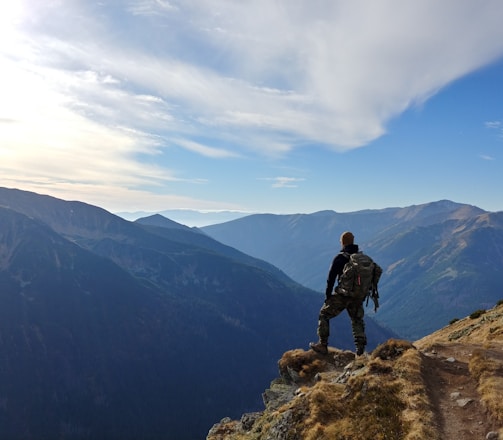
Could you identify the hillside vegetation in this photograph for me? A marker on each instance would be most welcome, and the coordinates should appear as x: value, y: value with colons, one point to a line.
x: 447, y: 385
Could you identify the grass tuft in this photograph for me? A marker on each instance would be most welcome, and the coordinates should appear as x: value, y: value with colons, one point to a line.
x: 391, y: 349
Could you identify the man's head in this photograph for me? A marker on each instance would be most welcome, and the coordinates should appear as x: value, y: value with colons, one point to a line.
x: 347, y: 238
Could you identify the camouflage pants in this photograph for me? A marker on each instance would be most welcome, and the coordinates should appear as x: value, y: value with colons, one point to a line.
x: 333, y: 307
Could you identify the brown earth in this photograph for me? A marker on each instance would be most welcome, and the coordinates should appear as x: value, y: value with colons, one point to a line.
x: 453, y: 391
x: 448, y: 353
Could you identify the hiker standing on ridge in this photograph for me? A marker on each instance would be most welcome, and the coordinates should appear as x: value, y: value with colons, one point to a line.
x: 343, y: 299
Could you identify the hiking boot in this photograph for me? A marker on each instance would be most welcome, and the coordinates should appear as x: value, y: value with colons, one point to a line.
x: 360, y: 351
x: 319, y: 347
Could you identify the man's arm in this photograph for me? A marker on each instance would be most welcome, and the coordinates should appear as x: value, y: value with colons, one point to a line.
x: 335, y: 270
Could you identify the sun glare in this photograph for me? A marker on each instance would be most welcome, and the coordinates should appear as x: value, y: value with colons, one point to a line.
x: 11, y: 13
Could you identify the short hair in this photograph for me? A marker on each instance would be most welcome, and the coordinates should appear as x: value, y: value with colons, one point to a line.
x: 347, y: 238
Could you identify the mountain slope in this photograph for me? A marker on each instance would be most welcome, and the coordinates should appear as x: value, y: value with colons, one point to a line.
x: 302, y: 244
x: 75, y: 338
x: 173, y: 231
x: 446, y: 386
x: 435, y: 256
x: 112, y: 329
x: 441, y: 272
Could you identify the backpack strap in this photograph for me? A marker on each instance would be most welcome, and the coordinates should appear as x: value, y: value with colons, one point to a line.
x: 347, y: 256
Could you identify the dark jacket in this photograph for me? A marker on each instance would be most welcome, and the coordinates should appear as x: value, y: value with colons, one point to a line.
x: 337, y: 266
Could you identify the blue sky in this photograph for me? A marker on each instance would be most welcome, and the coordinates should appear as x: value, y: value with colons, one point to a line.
x: 282, y: 106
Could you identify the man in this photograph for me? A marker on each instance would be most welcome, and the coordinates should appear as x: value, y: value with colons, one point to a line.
x: 336, y: 303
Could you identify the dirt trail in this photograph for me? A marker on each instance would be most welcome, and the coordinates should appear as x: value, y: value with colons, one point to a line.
x: 453, y: 392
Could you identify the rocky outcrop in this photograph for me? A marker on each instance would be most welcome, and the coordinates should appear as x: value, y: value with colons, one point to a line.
x: 437, y: 388
x: 316, y: 396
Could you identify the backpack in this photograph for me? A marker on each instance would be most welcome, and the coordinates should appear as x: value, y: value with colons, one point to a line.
x: 359, y: 278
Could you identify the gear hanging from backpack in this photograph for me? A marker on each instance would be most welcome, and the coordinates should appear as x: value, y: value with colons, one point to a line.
x: 359, y: 279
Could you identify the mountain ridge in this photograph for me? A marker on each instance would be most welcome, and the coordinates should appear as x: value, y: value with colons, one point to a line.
x: 113, y: 329
x: 432, y: 254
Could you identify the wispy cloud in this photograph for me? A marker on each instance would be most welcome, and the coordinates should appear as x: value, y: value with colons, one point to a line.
x: 331, y: 73
x: 150, y: 7
x: 494, y: 124
x: 486, y: 157
x: 283, y: 182
x: 204, y: 150
x: 95, y: 86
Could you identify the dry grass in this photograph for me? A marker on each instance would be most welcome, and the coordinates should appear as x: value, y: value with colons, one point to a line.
x: 302, y: 366
x: 418, y: 412
x: 392, y: 349
x: 387, y: 402
x: 489, y: 374
x: 369, y: 410
x: 486, y: 327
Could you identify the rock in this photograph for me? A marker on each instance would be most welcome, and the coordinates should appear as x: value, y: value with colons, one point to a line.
x: 492, y: 436
x: 463, y: 402
x: 248, y: 420
x: 294, y: 375
x: 280, y: 429
x: 278, y: 394
x: 349, y: 366
x: 455, y: 395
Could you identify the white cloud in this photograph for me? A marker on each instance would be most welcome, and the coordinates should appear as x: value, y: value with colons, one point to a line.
x: 119, y: 198
x: 88, y: 87
x: 150, y: 7
x: 494, y: 124
x: 42, y: 136
x: 283, y: 182
x: 333, y: 73
x: 204, y: 150
x: 486, y: 157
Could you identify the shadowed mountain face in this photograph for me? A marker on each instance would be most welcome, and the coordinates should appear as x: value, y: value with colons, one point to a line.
x: 112, y: 329
x: 75, y: 339
x: 442, y: 260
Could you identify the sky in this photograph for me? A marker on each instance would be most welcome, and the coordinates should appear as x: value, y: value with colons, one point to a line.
x: 268, y: 106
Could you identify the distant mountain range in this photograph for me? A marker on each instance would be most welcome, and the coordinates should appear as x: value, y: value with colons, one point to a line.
x: 112, y: 329
x: 188, y: 217
x: 442, y: 260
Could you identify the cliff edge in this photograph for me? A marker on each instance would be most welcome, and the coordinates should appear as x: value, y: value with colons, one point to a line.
x: 448, y: 385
